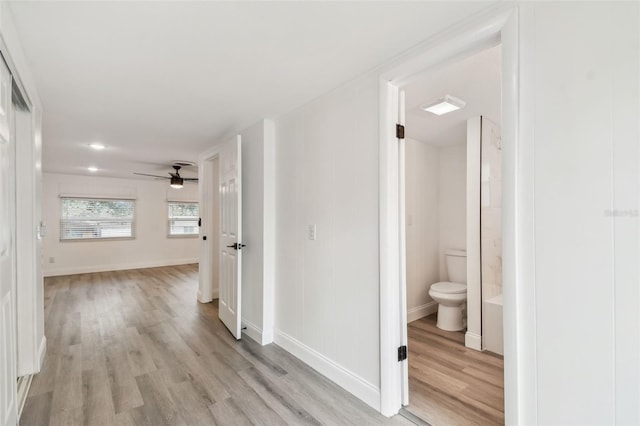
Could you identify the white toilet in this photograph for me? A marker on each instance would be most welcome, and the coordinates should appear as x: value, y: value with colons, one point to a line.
x: 451, y: 295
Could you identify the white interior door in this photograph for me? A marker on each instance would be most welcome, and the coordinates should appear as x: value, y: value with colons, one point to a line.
x: 8, y: 371
x: 230, y: 190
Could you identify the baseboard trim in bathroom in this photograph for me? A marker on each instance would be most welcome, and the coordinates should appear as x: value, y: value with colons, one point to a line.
x: 473, y: 341
x: 422, y: 311
x: 413, y: 418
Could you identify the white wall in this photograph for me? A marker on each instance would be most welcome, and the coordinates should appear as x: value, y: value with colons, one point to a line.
x: 579, y: 120
x: 436, y: 217
x: 580, y: 88
x: 491, y: 211
x: 327, y: 290
x: 452, y: 201
x: 422, y: 223
x: 151, y: 247
x: 214, y: 232
x: 258, y: 223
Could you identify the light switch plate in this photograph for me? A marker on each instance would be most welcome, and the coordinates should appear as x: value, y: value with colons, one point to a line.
x: 312, y: 232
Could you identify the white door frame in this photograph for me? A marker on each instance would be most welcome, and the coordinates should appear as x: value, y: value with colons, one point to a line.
x: 500, y: 24
x: 206, y: 191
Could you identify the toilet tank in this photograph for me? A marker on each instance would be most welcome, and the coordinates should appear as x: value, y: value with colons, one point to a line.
x: 456, y: 261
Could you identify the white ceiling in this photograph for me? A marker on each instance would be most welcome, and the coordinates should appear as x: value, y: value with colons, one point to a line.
x: 476, y: 80
x: 163, y: 81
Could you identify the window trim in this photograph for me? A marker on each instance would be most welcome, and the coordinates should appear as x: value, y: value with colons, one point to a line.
x: 168, y: 220
x: 134, y: 219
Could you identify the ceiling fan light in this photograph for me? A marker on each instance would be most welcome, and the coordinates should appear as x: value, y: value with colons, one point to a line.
x: 176, y: 182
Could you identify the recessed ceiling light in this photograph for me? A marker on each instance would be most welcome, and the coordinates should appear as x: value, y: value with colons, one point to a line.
x: 97, y: 146
x: 445, y: 105
x: 92, y: 169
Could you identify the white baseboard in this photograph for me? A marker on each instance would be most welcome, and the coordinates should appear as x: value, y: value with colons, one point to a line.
x: 42, y: 351
x: 213, y: 297
x: 253, y: 331
x: 267, y: 336
x: 24, y: 384
x: 55, y: 272
x: 200, y: 299
x: 422, y: 311
x: 473, y: 341
x: 353, y: 383
x: 261, y: 336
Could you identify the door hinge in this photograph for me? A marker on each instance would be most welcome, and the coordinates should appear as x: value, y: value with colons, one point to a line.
x: 399, y: 131
x: 402, y: 353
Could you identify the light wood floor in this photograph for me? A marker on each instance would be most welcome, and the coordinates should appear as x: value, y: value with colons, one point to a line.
x: 135, y: 348
x: 450, y: 384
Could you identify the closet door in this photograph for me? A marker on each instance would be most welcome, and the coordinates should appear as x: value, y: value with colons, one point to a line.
x: 8, y: 373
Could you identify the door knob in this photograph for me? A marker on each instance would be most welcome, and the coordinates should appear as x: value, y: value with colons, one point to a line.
x: 237, y: 246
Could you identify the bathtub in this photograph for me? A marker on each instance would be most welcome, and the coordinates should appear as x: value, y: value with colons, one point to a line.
x: 492, y: 325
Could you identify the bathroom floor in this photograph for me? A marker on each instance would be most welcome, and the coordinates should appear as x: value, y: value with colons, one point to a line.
x: 450, y: 384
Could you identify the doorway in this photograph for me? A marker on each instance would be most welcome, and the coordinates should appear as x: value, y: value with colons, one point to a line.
x: 496, y: 27
x: 209, y: 281
x: 221, y: 255
x: 451, y: 186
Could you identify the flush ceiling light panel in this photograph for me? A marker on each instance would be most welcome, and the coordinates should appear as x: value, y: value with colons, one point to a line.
x: 447, y: 104
x: 92, y: 169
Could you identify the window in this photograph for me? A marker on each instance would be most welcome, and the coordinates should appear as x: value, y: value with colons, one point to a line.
x: 91, y: 218
x: 183, y: 219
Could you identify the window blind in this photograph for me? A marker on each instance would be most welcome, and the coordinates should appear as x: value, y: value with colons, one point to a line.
x: 183, y: 218
x: 91, y: 218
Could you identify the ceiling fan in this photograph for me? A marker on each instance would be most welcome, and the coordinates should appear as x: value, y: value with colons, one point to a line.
x: 176, y: 180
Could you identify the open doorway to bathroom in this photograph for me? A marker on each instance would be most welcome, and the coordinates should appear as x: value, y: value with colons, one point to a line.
x: 453, y: 243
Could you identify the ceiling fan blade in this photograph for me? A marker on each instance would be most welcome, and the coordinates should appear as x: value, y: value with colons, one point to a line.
x: 156, y: 176
x: 174, y: 175
x: 190, y: 179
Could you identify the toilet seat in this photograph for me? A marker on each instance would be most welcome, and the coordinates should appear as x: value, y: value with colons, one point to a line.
x: 449, y: 288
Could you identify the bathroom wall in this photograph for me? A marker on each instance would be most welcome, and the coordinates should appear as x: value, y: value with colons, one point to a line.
x: 452, y: 201
x: 491, y: 210
x: 422, y: 223
x: 435, y: 193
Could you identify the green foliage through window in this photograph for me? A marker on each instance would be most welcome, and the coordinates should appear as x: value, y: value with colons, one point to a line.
x: 183, y: 218
x: 89, y: 218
